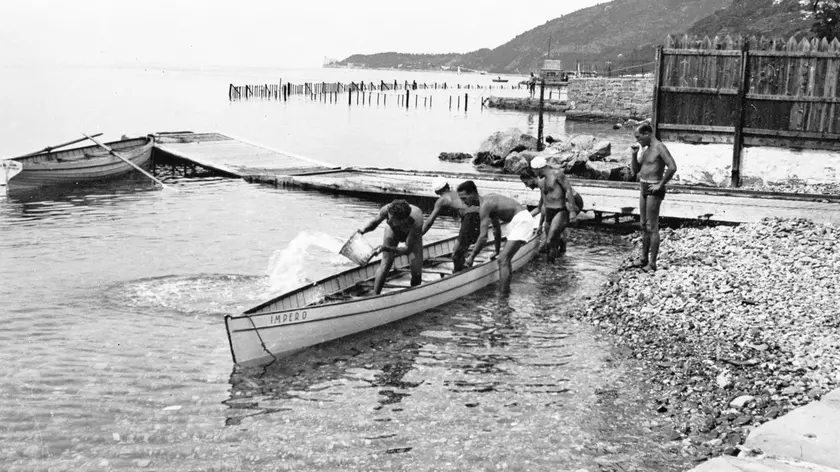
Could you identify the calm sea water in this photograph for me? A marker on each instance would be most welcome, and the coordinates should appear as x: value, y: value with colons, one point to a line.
x: 114, y: 348
x: 47, y: 107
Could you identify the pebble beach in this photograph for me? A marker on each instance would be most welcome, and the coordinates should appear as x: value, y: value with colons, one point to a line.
x: 739, y: 325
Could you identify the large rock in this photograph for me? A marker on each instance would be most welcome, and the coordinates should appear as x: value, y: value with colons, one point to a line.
x: 455, y: 156
x: 516, y: 162
x: 559, y: 160
x: 484, y: 158
x: 599, y: 150
x: 501, y: 143
x: 615, y: 171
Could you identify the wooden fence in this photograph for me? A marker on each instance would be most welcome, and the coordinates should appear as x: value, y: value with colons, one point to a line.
x: 748, y: 92
x: 281, y: 91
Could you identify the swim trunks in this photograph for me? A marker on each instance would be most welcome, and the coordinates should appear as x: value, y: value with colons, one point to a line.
x: 646, y: 191
x: 550, y: 213
x: 521, y: 227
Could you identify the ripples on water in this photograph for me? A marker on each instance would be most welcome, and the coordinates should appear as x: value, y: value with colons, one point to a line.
x: 115, y: 354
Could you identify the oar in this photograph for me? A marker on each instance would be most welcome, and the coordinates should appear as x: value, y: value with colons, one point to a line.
x: 51, y: 148
x: 114, y: 153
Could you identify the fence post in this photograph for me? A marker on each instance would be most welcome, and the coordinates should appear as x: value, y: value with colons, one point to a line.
x: 657, y: 83
x: 738, y: 140
x: 540, y: 145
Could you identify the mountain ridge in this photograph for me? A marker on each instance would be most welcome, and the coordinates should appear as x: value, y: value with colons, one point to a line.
x: 622, y: 32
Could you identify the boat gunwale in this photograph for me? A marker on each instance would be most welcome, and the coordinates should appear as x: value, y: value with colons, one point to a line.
x: 250, y: 312
x: 144, y: 142
x: 364, y: 310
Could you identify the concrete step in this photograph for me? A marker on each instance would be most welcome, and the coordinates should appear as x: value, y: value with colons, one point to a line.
x: 762, y: 464
x: 810, y: 433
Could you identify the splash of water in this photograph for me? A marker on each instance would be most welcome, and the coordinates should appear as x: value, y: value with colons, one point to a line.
x: 286, y: 266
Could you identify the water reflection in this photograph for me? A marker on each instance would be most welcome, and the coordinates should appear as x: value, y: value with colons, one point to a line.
x: 464, y: 385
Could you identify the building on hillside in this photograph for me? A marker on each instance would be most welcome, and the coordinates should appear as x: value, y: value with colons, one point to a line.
x: 552, y: 72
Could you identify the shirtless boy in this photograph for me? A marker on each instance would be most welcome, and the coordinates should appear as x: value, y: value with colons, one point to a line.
x: 448, y: 199
x: 497, y: 210
x: 655, y: 167
x: 560, y: 202
x: 405, y: 225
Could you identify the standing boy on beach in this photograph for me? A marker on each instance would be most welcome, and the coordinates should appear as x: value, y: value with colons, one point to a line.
x: 405, y: 225
x: 497, y: 210
x: 653, y: 163
x: 468, y: 235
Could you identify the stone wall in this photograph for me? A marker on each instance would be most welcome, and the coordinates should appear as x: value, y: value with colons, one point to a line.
x: 610, y: 99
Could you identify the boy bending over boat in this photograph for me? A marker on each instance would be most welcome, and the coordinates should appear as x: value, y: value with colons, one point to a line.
x: 468, y: 234
x: 405, y: 225
x: 499, y: 210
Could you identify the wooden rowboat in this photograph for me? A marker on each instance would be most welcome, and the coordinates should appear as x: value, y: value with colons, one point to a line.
x: 80, y: 165
x: 342, y: 304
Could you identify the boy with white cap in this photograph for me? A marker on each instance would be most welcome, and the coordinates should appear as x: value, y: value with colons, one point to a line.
x: 560, y: 203
x: 468, y: 234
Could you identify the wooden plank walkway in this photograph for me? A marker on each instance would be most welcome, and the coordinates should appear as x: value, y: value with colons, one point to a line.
x: 233, y: 156
x: 721, y: 205
x: 255, y: 163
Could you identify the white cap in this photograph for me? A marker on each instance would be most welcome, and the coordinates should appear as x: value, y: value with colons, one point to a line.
x: 439, y: 183
x: 538, y: 162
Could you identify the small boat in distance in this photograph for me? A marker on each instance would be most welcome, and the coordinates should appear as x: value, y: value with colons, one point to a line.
x: 344, y: 303
x: 499, y: 79
x: 80, y: 165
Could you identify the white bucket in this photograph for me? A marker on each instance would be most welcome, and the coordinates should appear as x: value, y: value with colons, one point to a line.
x: 357, y: 249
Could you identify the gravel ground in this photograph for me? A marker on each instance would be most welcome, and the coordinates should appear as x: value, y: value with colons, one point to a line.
x: 738, y: 326
x: 792, y: 187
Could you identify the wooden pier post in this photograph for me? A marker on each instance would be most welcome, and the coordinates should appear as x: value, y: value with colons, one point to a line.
x: 416, y: 99
x: 459, y: 103
x: 450, y: 102
x: 350, y: 96
x: 466, y: 101
x: 743, y: 89
x: 407, y: 91
x: 540, y: 145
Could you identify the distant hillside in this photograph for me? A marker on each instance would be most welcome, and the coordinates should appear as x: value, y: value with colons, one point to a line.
x: 756, y: 17
x: 621, y: 29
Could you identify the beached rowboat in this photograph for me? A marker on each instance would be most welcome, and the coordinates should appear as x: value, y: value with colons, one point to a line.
x: 80, y: 165
x: 342, y: 304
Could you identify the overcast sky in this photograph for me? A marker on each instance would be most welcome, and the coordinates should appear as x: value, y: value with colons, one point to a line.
x: 275, y: 33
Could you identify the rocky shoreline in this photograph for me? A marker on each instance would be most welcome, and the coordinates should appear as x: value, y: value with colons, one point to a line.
x: 738, y: 326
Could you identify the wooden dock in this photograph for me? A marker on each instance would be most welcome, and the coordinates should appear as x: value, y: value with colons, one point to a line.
x: 255, y: 163
x: 233, y: 157
x: 600, y: 197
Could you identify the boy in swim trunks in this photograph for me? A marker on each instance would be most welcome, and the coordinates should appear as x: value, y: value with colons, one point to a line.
x: 405, y: 225
x: 560, y: 202
x: 653, y: 163
x: 468, y: 234
x: 498, y: 210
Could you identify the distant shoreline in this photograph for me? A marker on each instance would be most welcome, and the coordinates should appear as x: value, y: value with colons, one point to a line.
x: 398, y: 69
